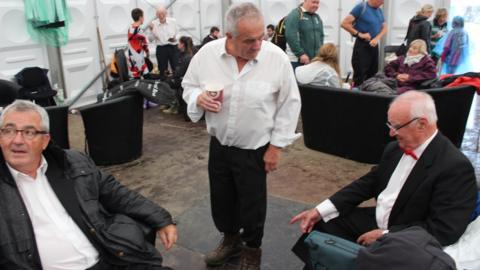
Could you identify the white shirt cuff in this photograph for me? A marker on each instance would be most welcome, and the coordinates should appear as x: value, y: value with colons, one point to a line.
x: 327, y: 210
x: 194, y: 111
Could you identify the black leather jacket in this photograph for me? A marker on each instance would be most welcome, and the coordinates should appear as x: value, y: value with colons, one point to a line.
x: 115, y: 219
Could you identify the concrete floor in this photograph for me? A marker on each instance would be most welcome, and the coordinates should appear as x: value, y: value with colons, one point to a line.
x: 172, y: 171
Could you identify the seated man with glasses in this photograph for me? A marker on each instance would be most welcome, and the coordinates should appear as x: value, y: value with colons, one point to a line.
x: 59, y: 211
x: 422, y: 179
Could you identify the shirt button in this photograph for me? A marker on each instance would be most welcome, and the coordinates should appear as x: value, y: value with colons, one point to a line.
x: 29, y: 256
x: 92, y: 230
x: 120, y: 253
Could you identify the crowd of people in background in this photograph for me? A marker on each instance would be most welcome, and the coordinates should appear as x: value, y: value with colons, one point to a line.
x: 303, y: 36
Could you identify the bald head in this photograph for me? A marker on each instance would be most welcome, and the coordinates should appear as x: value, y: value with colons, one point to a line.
x: 420, y: 104
x: 162, y: 13
x: 413, y: 118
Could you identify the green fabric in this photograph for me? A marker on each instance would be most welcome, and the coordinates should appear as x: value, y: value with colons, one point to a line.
x: 47, y: 21
x: 304, y: 35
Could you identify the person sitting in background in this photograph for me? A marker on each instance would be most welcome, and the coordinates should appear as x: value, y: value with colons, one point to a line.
x: 455, y: 50
x: 269, y: 33
x: 214, y: 34
x: 323, y: 70
x: 439, y: 29
x: 185, y: 46
x: 419, y: 27
x: 412, y: 69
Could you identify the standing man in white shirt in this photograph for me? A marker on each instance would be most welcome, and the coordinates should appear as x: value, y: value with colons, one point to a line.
x: 255, y: 120
x: 164, y: 32
x: 421, y: 180
x: 60, y: 212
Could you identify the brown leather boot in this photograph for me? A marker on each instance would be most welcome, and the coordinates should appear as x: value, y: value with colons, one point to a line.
x: 229, y: 247
x: 250, y: 258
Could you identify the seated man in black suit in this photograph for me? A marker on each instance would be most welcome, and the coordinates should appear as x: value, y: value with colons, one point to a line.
x: 58, y: 211
x: 422, y: 179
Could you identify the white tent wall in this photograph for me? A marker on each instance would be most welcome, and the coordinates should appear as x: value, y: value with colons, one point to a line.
x: 17, y: 50
x: 81, y: 56
x: 187, y: 14
x: 210, y: 15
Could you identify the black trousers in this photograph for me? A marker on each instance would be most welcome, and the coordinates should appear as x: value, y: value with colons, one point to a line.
x: 350, y: 227
x: 167, y: 54
x: 238, y: 190
x: 364, y: 61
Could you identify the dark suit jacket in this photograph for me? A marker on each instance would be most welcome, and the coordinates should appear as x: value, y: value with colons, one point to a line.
x: 438, y: 195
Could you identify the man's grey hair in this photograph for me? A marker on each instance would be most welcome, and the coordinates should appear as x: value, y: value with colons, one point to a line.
x: 239, y: 12
x: 21, y: 105
x: 421, y: 105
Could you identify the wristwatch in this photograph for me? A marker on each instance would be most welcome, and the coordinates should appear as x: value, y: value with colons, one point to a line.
x: 356, y: 34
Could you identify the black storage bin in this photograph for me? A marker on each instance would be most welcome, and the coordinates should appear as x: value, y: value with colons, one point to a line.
x: 114, y: 129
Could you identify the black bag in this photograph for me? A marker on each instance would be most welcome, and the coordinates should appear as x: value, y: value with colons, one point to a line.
x: 412, y: 248
x: 152, y: 90
x: 279, y: 38
x: 119, y: 65
x: 35, y: 86
x: 402, y: 49
x: 279, y: 35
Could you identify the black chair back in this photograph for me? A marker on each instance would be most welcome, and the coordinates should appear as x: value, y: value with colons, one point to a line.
x: 59, y: 125
x: 351, y: 124
x: 114, y: 129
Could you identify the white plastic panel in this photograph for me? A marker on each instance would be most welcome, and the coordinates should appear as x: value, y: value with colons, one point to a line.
x: 81, y: 55
x: 328, y: 12
x: 17, y: 50
x: 210, y: 15
x: 400, y: 13
x: 186, y: 12
x: 114, y: 18
x: 274, y: 10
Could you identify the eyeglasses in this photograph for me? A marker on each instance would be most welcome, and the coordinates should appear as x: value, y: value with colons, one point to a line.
x: 397, y: 128
x: 28, y: 133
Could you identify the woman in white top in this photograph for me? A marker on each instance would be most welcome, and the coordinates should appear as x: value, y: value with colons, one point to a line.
x: 323, y: 70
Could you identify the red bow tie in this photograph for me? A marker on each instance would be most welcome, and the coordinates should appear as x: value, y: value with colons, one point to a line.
x: 410, y: 153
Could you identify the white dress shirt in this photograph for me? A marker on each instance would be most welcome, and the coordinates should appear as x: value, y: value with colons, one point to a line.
x: 61, y: 244
x: 261, y: 103
x: 161, y: 32
x: 388, y: 196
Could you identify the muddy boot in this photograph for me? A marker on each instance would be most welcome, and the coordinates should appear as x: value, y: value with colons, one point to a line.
x: 250, y: 258
x: 229, y: 247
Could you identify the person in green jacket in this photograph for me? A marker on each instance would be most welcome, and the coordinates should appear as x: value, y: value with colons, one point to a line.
x: 304, y: 32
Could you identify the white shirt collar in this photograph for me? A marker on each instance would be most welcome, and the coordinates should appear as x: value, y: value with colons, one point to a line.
x: 42, y: 169
x: 419, y: 150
